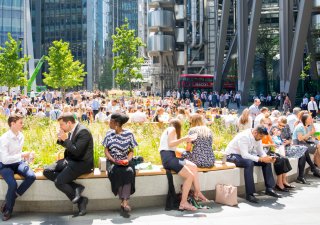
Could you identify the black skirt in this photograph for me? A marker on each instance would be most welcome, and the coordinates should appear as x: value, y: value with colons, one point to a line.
x: 281, y: 165
x: 121, y: 175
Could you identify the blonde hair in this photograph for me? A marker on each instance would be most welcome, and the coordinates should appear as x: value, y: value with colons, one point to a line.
x: 197, y: 123
x: 196, y: 120
x: 244, y: 118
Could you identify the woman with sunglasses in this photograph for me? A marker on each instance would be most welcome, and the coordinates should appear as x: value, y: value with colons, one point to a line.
x: 303, y: 135
x: 282, y: 165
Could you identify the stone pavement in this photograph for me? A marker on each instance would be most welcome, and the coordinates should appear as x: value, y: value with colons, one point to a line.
x: 300, y: 207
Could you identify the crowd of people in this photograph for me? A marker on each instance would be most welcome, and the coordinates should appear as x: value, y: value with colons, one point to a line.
x: 264, y: 139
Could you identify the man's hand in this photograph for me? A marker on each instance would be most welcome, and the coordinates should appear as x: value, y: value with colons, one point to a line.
x: 268, y: 159
x: 62, y: 136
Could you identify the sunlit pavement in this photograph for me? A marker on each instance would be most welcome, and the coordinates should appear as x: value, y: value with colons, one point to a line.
x: 300, y: 207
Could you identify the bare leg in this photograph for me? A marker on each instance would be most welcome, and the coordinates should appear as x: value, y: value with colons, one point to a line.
x: 187, y: 174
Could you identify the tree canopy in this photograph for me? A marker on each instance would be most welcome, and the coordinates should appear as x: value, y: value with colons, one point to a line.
x: 11, y: 65
x: 64, y: 72
x: 126, y: 61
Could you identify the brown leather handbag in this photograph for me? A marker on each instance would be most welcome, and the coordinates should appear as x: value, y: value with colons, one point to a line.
x: 226, y: 195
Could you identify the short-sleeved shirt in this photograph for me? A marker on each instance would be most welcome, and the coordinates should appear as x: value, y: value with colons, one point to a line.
x: 119, y: 145
x: 299, y: 129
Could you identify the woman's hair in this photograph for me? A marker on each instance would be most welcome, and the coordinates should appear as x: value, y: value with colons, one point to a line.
x: 14, y: 118
x: 283, y: 119
x: 304, y: 119
x: 301, y: 113
x: 177, y: 125
x: 181, y: 110
x: 120, y: 118
x: 197, y: 123
x: 196, y: 120
x: 244, y: 118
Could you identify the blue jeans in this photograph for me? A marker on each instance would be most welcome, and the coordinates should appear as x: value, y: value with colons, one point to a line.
x: 248, y: 166
x: 7, y: 172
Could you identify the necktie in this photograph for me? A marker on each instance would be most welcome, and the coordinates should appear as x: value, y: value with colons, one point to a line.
x: 69, y: 135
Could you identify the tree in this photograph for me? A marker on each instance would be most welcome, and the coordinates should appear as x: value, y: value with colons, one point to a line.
x: 64, y: 72
x: 126, y: 61
x: 11, y: 65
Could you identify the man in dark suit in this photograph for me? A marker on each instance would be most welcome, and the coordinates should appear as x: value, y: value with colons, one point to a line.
x: 78, y: 160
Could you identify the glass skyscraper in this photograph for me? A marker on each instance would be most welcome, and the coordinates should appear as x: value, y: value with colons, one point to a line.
x: 79, y: 22
x: 11, y: 19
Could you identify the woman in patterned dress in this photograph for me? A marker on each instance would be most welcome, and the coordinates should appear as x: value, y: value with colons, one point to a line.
x: 201, y: 154
x: 119, y: 144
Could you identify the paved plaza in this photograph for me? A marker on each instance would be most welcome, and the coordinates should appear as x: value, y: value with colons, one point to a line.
x: 300, y: 207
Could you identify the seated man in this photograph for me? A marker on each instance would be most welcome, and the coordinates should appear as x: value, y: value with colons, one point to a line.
x: 78, y: 160
x: 245, y: 150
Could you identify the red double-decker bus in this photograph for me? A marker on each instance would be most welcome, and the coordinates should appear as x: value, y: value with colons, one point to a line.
x: 196, y: 82
x: 202, y: 82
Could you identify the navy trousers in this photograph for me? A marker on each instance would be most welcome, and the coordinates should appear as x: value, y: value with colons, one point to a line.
x: 248, y: 166
x: 7, y: 172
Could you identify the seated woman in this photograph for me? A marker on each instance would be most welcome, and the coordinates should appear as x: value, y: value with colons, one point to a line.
x: 202, y: 153
x: 119, y: 144
x: 245, y: 120
x: 157, y: 117
x: 302, y: 133
x: 282, y: 165
x: 170, y: 139
x: 11, y: 163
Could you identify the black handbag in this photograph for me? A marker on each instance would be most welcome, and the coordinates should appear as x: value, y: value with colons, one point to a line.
x: 137, y: 160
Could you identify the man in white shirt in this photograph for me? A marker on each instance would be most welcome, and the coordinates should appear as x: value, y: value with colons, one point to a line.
x: 292, y: 118
x: 32, y: 96
x: 11, y: 162
x: 246, y: 151
x: 138, y: 116
x: 312, y: 107
x: 101, y: 116
x: 263, y: 112
x: 254, y: 109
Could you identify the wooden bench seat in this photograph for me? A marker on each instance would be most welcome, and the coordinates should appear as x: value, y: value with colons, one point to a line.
x: 103, y: 174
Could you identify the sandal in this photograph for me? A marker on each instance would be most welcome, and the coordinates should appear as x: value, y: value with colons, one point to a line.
x: 187, y: 207
x: 201, y: 199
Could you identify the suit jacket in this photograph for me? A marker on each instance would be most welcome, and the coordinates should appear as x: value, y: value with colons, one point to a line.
x: 79, y: 150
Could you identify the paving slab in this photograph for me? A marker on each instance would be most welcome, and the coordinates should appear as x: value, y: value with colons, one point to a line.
x: 299, y: 207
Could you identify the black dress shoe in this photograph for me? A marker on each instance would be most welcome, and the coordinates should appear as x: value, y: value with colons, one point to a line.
x: 277, y: 188
x: 302, y: 180
x: 82, y: 205
x: 290, y: 186
x: 251, y: 198
x: 272, y: 193
x: 6, y: 215
x: 3, y: 207
x: 316, y: 174
x: 79, y: 191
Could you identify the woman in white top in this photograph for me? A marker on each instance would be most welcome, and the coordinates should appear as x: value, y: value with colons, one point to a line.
x: 169, y: 141
x: 11, y: 163
x: 245, y: 120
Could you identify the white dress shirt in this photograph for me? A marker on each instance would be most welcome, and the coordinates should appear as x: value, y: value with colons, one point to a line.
x: 138, y: 117
x: 312, y: 105
x: 244, y: 144
x: 11, y: 147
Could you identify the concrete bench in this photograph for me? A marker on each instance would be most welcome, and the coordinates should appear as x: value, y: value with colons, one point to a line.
x: 103, y: 174
x: 151, y: 188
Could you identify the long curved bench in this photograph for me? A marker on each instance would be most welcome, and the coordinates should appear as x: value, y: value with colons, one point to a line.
x: 151, y: 188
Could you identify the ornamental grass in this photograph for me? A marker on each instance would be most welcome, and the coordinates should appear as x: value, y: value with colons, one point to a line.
x: 41, y: 136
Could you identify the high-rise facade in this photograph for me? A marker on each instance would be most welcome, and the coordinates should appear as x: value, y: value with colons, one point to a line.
x: 79, y: 22
x: 11, y: 19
